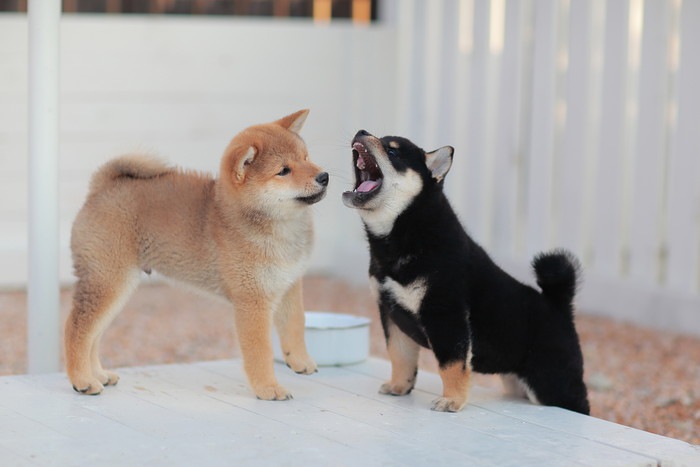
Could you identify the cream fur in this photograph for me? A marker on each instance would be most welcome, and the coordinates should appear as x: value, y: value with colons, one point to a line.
x: 244, y: 236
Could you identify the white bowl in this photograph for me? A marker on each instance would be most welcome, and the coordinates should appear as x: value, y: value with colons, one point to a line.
x: 332, y: 339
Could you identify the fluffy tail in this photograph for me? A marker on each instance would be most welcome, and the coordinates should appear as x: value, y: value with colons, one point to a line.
x: 131, y: 166
x: 557, y: 274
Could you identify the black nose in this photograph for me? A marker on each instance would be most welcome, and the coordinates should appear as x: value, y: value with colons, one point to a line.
x: 322, y: 178
x: 362, y: 133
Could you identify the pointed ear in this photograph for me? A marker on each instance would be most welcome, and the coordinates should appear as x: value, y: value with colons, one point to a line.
x: 439, y: 162
x: 241, y: 160
x: 295, y: 121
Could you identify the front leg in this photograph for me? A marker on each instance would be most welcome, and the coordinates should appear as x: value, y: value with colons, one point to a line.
x: 455, y: 387
x: 450, y: 340
x: 253, y: 321
x: 403, y: 352
x: 289, y: 321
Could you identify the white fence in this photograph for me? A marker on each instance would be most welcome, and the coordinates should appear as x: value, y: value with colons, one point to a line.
x: 575, y: 123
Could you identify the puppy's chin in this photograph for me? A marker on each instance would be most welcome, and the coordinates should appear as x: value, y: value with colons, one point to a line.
x: 312, y: 199
x: 362, y: 199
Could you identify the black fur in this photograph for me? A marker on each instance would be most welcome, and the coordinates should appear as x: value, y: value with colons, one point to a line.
x: 471, y: 302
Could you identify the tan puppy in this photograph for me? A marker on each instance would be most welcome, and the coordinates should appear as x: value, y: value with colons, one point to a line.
x: 245, y: 236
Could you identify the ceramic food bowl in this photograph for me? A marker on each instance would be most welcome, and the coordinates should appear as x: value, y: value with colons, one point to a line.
x: 333, y: 339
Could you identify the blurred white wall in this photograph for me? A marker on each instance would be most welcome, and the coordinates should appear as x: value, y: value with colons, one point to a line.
x: 575, y: 124
x: 181, y: 88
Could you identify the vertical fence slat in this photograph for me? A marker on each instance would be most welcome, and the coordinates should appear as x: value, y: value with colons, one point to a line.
x: 443, y: 133
x: 507, y: 138
x: 576, y: 147
x: 650, y: 144
x: 477, y: 122
x: 540, y: 151
x: 609, y: 177
x: 684, y: 173
x: 410, y: 63
x: 433, y: 72
x: 455, y: 185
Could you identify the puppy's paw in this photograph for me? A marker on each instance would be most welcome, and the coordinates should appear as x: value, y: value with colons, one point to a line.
x: 448, y: 404
x: 88, y: 386
x: 303, y: 365
x: 108, y: 378
x: 273, y: 392
x: 396, y: 389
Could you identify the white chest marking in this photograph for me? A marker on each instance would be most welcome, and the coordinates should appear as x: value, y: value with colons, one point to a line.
x: 410, y: 296
x: 394, y: 199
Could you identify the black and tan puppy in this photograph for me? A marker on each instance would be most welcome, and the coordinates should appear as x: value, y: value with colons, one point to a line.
x: 439, y: 289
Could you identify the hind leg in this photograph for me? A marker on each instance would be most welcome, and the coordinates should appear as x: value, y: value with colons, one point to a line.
x: 106, y: 377
x: 558, y: 383
x: 512, y: 386
x: 97, y: 300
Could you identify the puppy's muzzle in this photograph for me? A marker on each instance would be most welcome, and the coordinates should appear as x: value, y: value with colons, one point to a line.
x: 322, y: 180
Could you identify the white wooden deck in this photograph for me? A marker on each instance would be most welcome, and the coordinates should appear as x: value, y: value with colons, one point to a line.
x: 203, y: 414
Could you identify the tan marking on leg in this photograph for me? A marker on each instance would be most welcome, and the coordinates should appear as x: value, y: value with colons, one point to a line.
x: 289, y: 320
x: 455, y: 387
x: 403, y: 352
x: 512, y: 386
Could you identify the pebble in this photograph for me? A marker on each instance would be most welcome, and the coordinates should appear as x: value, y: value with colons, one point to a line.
x: 600, y: 382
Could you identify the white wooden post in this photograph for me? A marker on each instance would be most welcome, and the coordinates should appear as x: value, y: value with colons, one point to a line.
x: 43, y: 289
x: 684, y: 170
x: 570, y: 194
x: 650, y: 143
x: 541, y: 147
x: 607, y: 229
x: 507, y: 136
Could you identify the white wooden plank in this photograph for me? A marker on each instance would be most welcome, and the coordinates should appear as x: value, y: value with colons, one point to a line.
x: 204, y: 413
x: 647, y: 445
x: 607, y: 233
x: 435, y: 39
x: 408, y: 84
x: 458, y: 120
x: 540, y: 442
x: 443, y: 132
x: 576, y: 147
x: 327, y: 413
x: 541, y: 138
x: 684, y: 171
x: 650, y: 144
x: 477, y: 175
x: 592, y: 129
x: 188, y: 423
x: 508, y: 139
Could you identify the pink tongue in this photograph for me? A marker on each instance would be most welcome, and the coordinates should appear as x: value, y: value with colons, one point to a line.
x: 367, y: 185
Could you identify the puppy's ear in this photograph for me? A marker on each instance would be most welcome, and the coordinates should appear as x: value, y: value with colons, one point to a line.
x: 295, y: 121
x: 439, y: 162
x: 242, y: 157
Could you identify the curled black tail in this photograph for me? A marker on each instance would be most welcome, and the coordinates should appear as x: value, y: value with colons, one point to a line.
x: 557, y: 274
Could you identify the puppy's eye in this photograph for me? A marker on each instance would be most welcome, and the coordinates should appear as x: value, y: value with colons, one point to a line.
x: 392, y: 152
x: 284, y: 171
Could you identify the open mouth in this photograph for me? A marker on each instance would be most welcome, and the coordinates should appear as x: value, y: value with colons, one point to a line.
x: 368, y: 175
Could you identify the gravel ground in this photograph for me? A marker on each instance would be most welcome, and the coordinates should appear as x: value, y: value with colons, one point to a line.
x: 636, y: 376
